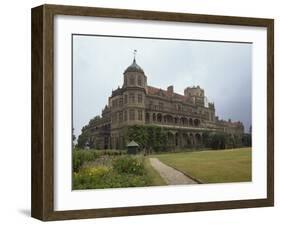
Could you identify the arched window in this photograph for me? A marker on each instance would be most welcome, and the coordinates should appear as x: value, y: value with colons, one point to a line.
x: 190, y: 122
x: 154, y: 117
x: 197, y: 138
x: 159, y: 117
x: 196, y: 122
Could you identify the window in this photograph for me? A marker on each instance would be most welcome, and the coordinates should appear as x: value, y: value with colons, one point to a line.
x: 179, y: 107
x: 121, y: 102
x: 139, y: 81
x: 161, y: 106
x: 125, y: 116
x: 114, y: 118
x: 140, y: 115
x: 139, y: 98
x: 132, y: 115
x: 114, y: 103
x: 126, y: 99
x: 120, y: 116
x: 132, y: 80
x: 132, y: 98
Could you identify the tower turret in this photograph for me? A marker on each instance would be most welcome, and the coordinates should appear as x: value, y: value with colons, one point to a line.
x: 134, y: 75
x: 134, y: 93
x: 196, y: 94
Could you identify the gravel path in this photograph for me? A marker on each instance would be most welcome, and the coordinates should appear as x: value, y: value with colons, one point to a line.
x: 169, y: 174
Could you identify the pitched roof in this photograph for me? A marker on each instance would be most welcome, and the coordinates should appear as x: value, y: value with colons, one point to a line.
x: 132, y: 144
x: 160, y: 92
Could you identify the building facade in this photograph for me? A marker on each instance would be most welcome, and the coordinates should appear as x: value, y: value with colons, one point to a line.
x: 186, y: 116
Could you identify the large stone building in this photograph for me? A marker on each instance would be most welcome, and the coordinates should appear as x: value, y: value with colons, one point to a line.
x: 185, y: 116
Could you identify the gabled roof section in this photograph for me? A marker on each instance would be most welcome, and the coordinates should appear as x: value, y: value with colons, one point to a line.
x: 160, y: 92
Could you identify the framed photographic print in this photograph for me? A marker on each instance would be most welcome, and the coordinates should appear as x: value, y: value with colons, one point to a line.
x: 141, y: 112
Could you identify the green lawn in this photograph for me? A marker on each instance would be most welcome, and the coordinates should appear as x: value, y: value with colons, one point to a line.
x: 213, y: 166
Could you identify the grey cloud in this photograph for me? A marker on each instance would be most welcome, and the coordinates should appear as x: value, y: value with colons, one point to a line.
x: 222, y: 69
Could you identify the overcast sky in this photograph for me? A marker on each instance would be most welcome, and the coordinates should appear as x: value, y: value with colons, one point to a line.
x: 223, y: 70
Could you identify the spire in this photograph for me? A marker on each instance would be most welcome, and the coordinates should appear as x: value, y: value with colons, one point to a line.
x: 134, y: 67
x: 135, y: 53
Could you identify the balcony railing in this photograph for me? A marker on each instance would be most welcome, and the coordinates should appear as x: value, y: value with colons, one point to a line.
x: 169, y: 110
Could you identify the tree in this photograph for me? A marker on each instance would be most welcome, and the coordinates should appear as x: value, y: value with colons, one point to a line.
x: 216, y: 140
x: 82, y: 140
x: 148, y: 137
x: 247, y: 140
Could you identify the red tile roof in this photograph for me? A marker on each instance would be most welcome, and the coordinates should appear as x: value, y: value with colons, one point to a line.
x: 160, y: 92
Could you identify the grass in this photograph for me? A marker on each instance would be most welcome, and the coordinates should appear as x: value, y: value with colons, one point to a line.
x: 155, y: 178
x: 213, y: 166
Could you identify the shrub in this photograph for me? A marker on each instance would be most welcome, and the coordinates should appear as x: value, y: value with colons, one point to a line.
x: 79, y: 157
x: 129, y: 165
x: 90, y: 177
x: 114, y: 152
x: 104, y: 177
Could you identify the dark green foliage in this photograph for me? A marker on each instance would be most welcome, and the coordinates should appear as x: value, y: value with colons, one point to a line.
x: 247, y: 140
x: 218, y: 141
x: 148, y: 137
x: 221, y: 140
x: 138, y: 134
x: 82, y: 140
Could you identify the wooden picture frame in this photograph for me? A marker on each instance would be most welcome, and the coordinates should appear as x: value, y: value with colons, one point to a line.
x: 42, y: 203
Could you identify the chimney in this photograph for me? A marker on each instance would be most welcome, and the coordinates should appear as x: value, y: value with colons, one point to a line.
x: 170, y: 89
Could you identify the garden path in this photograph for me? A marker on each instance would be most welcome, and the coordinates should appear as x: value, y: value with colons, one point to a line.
x: 169, y: 174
